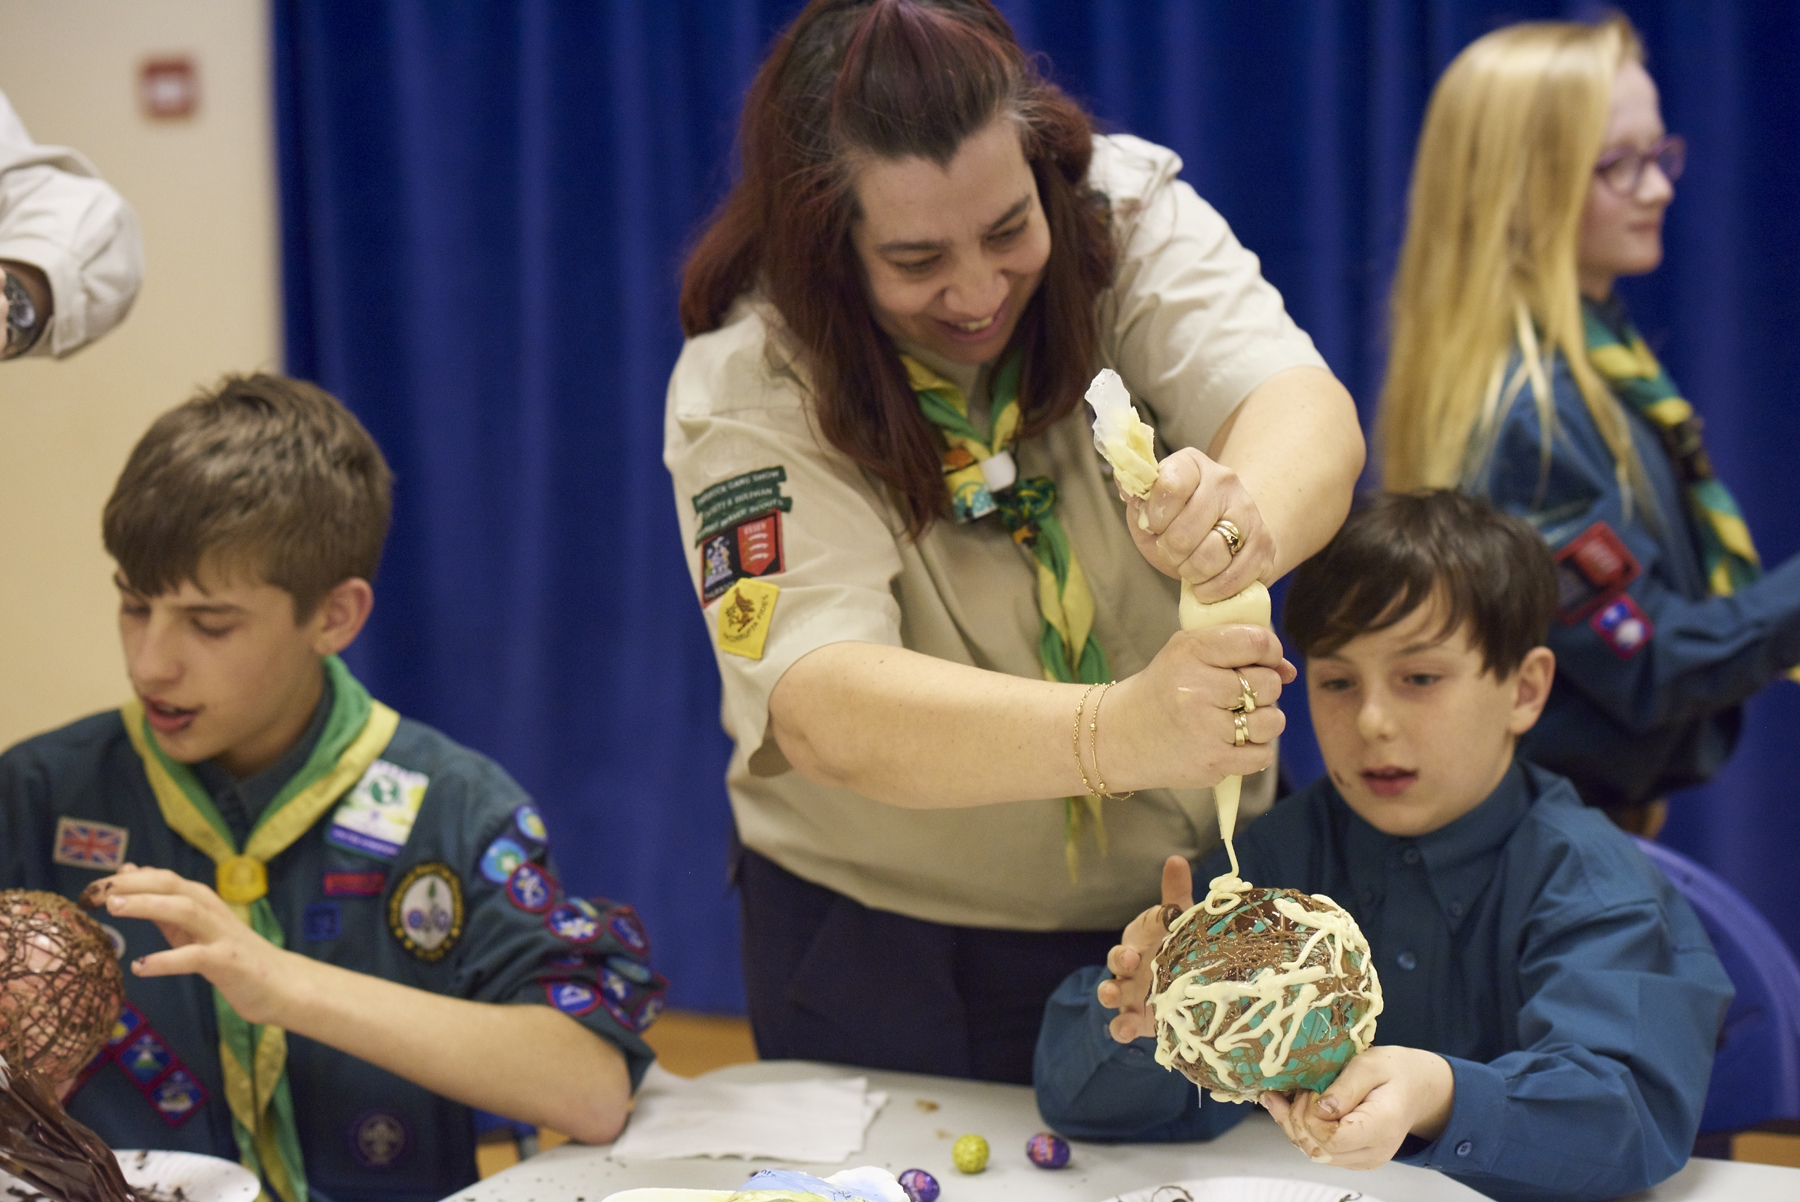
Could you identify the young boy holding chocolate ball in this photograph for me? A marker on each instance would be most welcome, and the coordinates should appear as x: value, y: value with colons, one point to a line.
x: 342, y: 930
x: 1550, y: 1002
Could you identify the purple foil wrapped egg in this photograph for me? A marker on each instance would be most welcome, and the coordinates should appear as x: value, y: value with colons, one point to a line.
x: 1047, y: 1151
x: 921, y: 1186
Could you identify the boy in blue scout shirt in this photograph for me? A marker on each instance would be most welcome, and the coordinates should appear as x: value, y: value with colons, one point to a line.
x: 1551, y: 1003
x: 343, y: 929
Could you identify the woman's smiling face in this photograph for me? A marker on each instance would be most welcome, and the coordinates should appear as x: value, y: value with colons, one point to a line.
x: 951, y: 255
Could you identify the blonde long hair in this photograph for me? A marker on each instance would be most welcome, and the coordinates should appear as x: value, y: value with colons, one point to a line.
x: 1488, y: 266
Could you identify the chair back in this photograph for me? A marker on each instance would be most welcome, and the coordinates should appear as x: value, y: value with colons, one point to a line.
x: 1756, y: 1071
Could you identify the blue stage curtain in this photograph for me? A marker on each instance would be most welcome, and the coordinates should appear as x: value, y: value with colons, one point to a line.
x: 484, y: 210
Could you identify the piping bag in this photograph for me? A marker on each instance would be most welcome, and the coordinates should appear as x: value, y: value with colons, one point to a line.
x: 1127, y: 442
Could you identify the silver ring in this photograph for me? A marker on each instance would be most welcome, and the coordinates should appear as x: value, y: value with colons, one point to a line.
x: 1234, y: 538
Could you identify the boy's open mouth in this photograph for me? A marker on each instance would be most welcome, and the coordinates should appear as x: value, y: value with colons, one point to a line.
x: 165, y: 718
x: 1389, y: 782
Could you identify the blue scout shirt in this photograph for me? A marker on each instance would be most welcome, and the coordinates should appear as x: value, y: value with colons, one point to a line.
x: 1651, y: 667
x: 1529, y: 942
x: 465, y: 903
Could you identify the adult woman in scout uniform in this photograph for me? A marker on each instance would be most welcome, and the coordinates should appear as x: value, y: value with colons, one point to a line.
x: 1515, y: 372
x: 917, y: 573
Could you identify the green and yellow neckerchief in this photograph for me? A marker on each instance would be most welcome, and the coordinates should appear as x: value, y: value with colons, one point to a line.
x: 1067, y: 647
x: 1728, y: 555
x: 255, y: 1057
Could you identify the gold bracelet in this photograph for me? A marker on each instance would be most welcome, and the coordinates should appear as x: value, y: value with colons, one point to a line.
x: 1075, y: 741
x: 1094, y: 747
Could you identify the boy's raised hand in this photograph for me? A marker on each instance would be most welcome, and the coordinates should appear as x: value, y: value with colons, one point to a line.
x: 1132, y: 960
x: 1382, y: 1096
x: 204, y: 937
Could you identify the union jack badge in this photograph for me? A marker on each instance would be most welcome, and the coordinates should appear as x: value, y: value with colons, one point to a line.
x: 81, y: 844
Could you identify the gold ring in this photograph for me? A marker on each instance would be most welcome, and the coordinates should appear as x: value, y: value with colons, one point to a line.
x: 1234, y: 538
x: 1240, y: 732
x: 1247, y: 703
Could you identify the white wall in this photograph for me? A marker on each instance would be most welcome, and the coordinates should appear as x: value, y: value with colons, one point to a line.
x: 204, y: 192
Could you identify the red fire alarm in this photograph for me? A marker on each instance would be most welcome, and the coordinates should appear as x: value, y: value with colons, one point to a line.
x: 169, y: 88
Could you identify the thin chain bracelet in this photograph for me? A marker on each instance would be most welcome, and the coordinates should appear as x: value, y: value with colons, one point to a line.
x: 1075, y: 742
x: 1094, y: 747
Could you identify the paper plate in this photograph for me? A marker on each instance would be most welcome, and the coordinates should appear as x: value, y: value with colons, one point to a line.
x: 160, y: 1174
x: 1243, y: 1189
x: 660, y: 1194
x: 199, y: 1178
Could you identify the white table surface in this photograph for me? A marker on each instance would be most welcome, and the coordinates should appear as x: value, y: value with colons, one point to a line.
x: 907, y: 1134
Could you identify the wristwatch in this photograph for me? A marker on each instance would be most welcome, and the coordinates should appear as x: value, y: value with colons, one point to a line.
x: 22, y: 323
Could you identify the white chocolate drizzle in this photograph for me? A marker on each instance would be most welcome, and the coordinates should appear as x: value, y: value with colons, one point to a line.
x: 1278, y: 997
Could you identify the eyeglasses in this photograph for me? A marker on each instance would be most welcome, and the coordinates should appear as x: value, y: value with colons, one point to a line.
x: 1622, y: 170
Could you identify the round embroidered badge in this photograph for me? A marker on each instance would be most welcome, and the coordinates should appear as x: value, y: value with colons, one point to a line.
x: 531, y: 823
x: 629, y: 929
x: 425, y: 911
x: 575, y: 920
x: 502, y: 856
x: 615, y: 986
x: 530, y: 888
x: 571, y: 997
x: 378, y: 1140
x: 631, y: 970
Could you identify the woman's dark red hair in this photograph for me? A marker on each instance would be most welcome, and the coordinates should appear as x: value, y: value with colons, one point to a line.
x: 893, y: 79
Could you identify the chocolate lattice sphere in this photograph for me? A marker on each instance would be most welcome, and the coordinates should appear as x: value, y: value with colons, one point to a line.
x: 60, y: 985
x: 1274, y: 992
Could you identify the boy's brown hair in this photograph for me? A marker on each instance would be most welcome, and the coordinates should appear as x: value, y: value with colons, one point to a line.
x: 1397, y: 551
x: 260, y: 474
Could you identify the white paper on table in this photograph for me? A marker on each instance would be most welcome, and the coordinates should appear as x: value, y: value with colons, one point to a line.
x: 817, y: 1121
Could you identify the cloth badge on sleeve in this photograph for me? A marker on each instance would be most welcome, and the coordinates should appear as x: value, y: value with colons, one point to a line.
x: 146, y: 1058
x: 653, y: 1005
x: 628, y: 928
x: 531, y: 889
x: 749, y: 549
x: 1623, y: 626
x: 575, y: 920
x: 631, y: 970
x: 378, y: 1140
x: 739, y: 499
x: 355, y: 884
x: 531, y: 823
x: 151, y: 1065
x: 322, y: 921
x: 1590, y: 570
x: 178, y: 1097
x: 377, y: 815
x: 744, y: 615
x: 96, y: 845
x: 614, y: 986
x: 502, y: 856
x: 571, y: 997
x: 425, y: 912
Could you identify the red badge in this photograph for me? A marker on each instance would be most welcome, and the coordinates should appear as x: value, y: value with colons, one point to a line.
x: 759, y: 545
x: 1623, y: 626
x: 355, y: 884
x: 1591, y: 569
x: 747, y: 550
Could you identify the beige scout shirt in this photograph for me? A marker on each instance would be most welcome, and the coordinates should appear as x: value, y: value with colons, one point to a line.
x: 1192, y: 327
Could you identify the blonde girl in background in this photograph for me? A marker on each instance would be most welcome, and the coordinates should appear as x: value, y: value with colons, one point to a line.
x: 1542, y: 176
